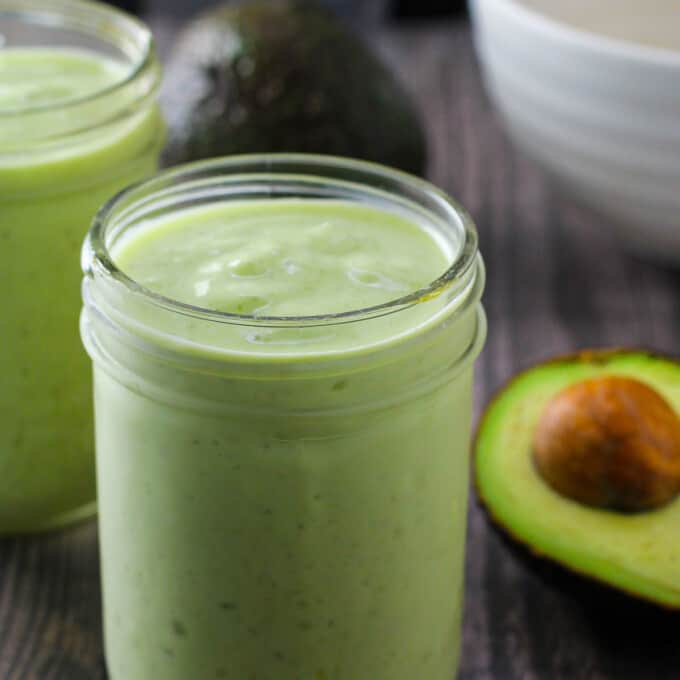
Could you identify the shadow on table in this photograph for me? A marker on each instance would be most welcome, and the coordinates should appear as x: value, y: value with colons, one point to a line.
x: 638, y: 639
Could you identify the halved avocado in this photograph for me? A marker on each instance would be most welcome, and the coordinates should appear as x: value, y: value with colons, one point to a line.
x: 639, y: 552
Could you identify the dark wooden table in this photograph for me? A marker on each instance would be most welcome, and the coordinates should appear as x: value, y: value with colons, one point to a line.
x: 557, y: 282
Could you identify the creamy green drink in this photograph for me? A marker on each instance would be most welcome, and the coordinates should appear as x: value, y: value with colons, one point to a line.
x: 283, y: 353
x: 77, y: 124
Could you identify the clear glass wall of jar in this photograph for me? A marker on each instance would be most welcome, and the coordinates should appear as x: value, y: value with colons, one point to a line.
x: 288, y: 510
x: 78, y: 122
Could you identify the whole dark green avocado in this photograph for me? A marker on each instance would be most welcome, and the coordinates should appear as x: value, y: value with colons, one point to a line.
x: 257, y: 76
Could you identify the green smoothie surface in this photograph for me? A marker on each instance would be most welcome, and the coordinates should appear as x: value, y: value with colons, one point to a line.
x: 66, y: 121
x: 286, y: 257
x: 36, y: 77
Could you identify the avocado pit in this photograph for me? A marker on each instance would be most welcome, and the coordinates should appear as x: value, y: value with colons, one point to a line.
x: 610, y: 442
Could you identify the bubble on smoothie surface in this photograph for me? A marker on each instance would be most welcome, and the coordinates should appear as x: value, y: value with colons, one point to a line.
x: 329, y: 238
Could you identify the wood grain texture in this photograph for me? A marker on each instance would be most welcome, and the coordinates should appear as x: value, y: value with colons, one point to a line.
x: 556, y: 282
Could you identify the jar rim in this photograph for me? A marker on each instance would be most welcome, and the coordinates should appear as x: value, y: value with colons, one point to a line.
x: 84, y: 16
x: 97, y: 260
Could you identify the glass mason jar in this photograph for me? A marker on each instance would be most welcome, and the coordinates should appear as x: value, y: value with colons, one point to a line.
x: 62, y: 154
x: 298, y: 510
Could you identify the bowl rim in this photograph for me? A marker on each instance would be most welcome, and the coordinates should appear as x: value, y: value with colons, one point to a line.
x: 611, y: 47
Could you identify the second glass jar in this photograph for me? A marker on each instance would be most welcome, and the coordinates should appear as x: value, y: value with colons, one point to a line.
x: 78, y: 122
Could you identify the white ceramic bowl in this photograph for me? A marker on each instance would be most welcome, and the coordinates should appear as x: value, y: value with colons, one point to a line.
x: 591, y: 90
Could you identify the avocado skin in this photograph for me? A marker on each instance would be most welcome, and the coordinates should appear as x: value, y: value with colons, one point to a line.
x: 625, y: 615
x: 550, y: 565
x: 260, y: 76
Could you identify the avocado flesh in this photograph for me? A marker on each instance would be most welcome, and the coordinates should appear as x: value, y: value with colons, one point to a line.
x: 637, y: 553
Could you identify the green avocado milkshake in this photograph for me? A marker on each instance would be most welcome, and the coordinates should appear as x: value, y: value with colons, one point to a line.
x: 78, y: 122
x: 283, y: 351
